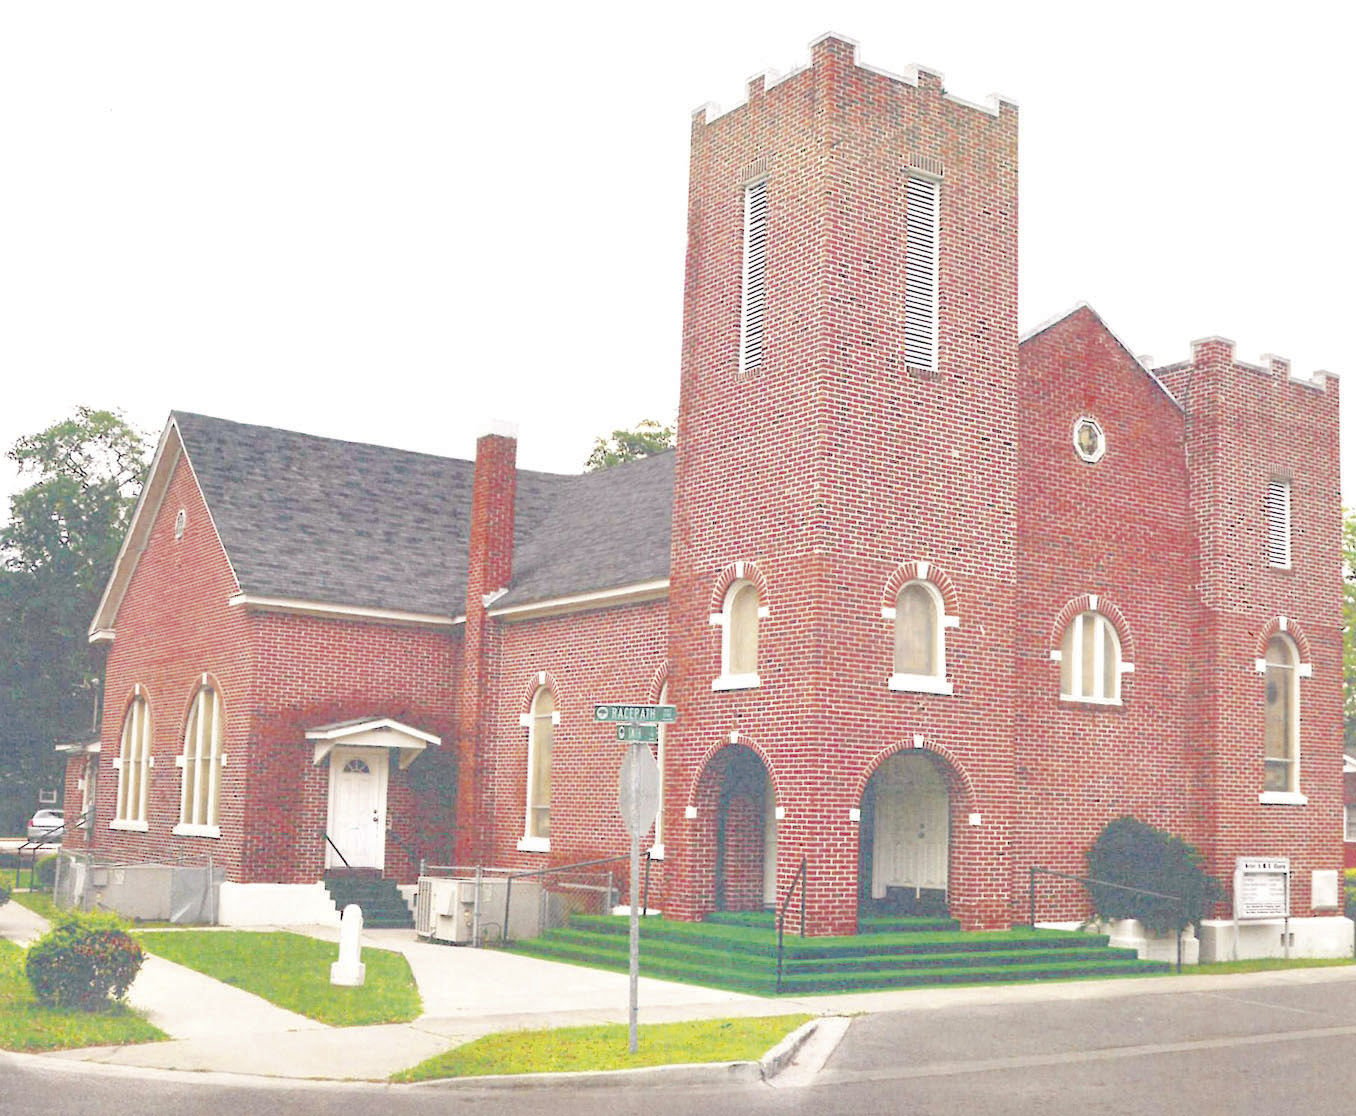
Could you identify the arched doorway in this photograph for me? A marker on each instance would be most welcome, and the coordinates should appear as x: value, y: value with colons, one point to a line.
x: 746, y: 831
x: 905, y: 855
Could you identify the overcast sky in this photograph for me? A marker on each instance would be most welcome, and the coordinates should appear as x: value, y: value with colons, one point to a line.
x: 399, y: 222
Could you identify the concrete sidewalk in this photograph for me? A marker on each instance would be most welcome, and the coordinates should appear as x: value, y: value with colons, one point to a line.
x: 470, y: 992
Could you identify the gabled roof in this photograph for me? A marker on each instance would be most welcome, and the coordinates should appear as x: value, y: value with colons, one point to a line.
x: 319, y: 520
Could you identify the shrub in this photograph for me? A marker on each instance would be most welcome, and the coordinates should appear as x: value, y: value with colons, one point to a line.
x: 83, y: 961
x: 45, y: 872
x: 1133, y: 853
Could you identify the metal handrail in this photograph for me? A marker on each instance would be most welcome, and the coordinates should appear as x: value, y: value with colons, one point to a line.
x: 799, y: 882
x: 335, y: 847
x: 1087, y: 880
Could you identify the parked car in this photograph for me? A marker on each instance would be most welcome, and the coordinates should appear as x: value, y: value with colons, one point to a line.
x: 46, y: 825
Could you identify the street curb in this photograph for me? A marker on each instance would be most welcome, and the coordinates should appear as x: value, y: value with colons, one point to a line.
x: 697, y: 1073
x: 782, y: 1055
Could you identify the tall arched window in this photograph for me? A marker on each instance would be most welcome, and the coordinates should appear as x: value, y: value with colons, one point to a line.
x: 1282, y: 716
x: 201, y: 762
x: 541, y: 732
x: 133, y: 763
x: 738, y: 619
x: 1090, y: 660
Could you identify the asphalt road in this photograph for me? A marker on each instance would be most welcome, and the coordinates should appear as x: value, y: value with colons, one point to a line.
x: 1247, y: 1052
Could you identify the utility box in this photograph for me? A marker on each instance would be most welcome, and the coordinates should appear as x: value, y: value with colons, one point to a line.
x: 445, y: 909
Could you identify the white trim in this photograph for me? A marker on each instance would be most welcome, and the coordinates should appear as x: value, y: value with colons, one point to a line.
x: 338, y: 611
x: 102, y: 635
x: 919, y: 684
x: 1283, y: 798
x: 1090, y: 700
x: 689, y: 812
x: 129, y: 826
x: 376, y: 723
x: 638, y: 593
x: 1304, y: 670
x: 736, y: 682
x: 854, y: 813
x: 656, y: 852
x: 534, y: 844
x: 184, y: 829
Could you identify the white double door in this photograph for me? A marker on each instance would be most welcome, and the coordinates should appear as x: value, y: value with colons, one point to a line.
x: 911, y: 845
x: 357, y: 822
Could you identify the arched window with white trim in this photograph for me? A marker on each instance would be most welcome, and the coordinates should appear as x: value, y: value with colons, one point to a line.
x: 541, y: 723
x: 1090, y: 665
x: 738, y: 619
x: 134, y: 765
x: 201, y: 761
x: 920, y: 621
x: 1281, y: 735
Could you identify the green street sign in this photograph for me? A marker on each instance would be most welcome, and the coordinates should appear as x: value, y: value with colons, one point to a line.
x: 638, y: 734
x: 635, y: 714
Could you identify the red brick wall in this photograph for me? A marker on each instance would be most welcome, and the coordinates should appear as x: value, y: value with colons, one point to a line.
x: 1121, y: 529
x: 833, y: 464
x: 1244, y: 426
x: 614, y: 654
x: 278, y: 676
x: 173, y: 626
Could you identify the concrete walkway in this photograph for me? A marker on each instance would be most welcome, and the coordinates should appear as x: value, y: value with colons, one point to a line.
x: 469, y: 992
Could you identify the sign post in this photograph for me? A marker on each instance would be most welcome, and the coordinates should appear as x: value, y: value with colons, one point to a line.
x: 639, y: 803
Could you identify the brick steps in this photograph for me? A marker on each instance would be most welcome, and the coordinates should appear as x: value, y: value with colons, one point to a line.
x: 743, y: 958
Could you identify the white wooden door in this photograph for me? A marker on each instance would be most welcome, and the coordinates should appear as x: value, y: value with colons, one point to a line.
x: 911, y: 844
x: 358, y: 807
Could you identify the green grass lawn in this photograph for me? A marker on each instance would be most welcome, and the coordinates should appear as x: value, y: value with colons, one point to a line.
x: 1263, y: 964
x: 606, y: 1048
x: 26, y: 1025
x: 39, y: 902
x: 293, y: 972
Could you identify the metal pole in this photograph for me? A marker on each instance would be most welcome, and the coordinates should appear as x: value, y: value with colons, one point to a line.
x: 1031, y: 895
x: 635, y: 938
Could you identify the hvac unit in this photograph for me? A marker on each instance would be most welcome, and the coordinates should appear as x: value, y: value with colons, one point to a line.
x: 445, y: 909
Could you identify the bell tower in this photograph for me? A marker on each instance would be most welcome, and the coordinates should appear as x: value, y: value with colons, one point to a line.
x: 847, y: 409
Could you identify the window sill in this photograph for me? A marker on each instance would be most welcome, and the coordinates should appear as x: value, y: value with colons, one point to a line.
x: 1089, y: 700
x: 185, y: 830
x: 129, y: 826
x: 920, y: 684
x: 535, y: 844
x: 1283, y: 798
x: 736, y: 682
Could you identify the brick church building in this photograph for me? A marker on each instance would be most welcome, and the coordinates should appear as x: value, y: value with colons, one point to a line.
x: 934, y: 602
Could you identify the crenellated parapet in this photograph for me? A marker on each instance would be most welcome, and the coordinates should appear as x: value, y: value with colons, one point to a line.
x: 831, y: 51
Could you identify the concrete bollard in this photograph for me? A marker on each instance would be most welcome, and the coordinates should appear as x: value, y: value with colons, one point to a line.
x: 349, y: 969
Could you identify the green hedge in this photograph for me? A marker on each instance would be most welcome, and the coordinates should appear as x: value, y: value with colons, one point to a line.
x: 1134, y: 854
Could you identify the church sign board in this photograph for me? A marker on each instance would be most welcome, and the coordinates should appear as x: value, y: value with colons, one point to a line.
x: 1261, y: 887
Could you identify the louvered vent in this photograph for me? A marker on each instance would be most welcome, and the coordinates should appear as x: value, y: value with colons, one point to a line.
x: 752, y: 317
x: 1278, y: 523
x: 920, y: 273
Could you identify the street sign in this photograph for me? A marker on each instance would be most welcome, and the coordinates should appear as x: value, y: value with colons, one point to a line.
x: 640, y: 714
x: 639, y: 784
x: 638, y: 734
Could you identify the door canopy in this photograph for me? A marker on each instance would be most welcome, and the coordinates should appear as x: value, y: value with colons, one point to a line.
x: 372, y: 732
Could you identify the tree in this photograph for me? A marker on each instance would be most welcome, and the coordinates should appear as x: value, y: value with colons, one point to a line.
x: 1134, y: 854
x: 1349, y: 632
x: 55, y: 556
x: 646, y: 438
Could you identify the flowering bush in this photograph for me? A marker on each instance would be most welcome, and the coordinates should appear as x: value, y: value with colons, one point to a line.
x: 83, y: 961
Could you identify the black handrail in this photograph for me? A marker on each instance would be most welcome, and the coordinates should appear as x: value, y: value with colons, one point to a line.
x: 1089, y: 880
x: 335, y: 847
x: 798, y: 882
x: 508, y: 882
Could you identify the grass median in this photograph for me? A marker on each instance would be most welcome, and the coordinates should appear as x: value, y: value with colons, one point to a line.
x: 293, y: 972
x: 27, y: 1025
x: 579, y: 1049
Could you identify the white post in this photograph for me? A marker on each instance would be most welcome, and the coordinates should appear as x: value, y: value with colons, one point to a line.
x: 349, y: 969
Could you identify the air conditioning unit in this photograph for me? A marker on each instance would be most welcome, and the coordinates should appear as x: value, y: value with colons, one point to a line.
x: 445, y: 909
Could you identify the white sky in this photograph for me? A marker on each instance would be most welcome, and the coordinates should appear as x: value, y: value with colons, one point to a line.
x: 398, y: 222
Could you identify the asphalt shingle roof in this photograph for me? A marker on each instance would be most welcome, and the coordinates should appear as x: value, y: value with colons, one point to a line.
x: 317, y: 519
